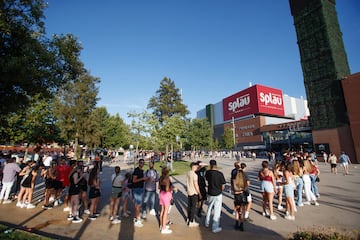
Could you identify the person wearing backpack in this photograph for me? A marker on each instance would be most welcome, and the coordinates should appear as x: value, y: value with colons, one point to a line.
x: 239, y: 188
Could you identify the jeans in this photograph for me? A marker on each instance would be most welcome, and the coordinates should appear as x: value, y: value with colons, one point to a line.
x: 299, y: 188
x: 314, y: 187
x: 216, y: 203
x: 149, y: 196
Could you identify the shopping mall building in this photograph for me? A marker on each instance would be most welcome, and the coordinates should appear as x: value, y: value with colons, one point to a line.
x: 261, y: 118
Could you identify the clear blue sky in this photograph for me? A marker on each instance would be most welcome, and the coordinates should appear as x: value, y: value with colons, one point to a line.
x: 211, y: 49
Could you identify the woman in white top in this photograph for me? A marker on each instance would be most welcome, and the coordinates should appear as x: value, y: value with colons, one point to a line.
x: 289, y: 188
x: 310, y: 196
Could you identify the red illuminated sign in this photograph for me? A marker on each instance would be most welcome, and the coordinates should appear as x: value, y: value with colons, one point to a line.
x: 254, y: 100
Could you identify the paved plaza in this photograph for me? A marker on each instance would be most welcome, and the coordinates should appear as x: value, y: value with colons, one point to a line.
x: 339, y: 208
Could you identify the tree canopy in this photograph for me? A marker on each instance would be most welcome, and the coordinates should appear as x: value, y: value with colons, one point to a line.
x: 167, y: 101
x: 30, y: 63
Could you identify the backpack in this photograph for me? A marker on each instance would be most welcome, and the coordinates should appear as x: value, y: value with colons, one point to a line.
x: 239, y: 182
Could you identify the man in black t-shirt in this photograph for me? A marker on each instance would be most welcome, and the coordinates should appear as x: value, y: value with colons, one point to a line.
x: 138, y: 180
x: 216, y: 184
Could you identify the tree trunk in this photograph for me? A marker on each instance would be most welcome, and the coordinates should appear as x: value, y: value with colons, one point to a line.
x: 76, y: 144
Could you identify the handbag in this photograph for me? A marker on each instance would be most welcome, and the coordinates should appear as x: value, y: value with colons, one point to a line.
x: 317, y: 179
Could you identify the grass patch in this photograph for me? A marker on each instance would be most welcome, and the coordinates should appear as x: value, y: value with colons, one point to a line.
x: 17, y: 234
x: 325, y: 233
x: 180, y: 167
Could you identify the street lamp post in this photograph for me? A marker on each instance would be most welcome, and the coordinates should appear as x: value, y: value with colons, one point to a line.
x: 233, y: 129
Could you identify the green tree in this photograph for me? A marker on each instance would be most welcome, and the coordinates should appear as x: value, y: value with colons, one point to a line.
x: 36, y: 125
x: 167, y: 101
x: 73, y: 106
x: 94, y: 133
x: 30, y: 63
x: 228, y: 139
x: 199, y: 134
x: 117, y: 133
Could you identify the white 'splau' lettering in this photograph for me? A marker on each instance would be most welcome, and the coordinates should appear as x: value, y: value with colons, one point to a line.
x: 239, y: 102
x: 271, y: 98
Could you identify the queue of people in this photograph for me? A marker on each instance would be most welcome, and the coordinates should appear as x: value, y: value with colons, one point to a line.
x: 78, y: 188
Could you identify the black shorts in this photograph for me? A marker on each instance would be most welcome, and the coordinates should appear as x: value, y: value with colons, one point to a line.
x: 49, y: 183
x: 26, y: 183
x: 240, y: 199
x: 83, y: 187
x: 94, y: 193
x: 74, y: 190
x: 58, y: 185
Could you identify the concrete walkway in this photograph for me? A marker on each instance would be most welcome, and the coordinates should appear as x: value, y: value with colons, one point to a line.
x: 339, y: 208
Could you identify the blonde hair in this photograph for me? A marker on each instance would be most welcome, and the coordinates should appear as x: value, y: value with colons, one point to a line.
x: 308, y: 166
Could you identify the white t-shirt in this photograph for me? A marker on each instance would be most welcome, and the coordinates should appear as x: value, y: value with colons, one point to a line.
x: 117, y: 180
x: 47, y: 161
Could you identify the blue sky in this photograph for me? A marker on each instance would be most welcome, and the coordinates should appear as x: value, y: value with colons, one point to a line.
x: 211, y: 49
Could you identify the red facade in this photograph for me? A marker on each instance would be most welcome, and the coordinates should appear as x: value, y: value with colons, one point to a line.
x: 257, y: 99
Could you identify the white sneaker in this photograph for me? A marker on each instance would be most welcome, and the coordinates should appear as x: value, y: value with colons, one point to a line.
x: 273, y: 217
x: 306, y: 203
x: 166, y: 226
x: 138, y: 223
x: 19, y: 204
x: 316, y: 203
x: 288, y: 217
x: 246, y: 214
x: 51, y: 199
x: 87, y: 211
x: 280, y: 207
x: 56, y: 203
x: 115, y: 221
x: 301, y: 205
x: 216, y: 230
x: 143, y: 215
x: 166, y: 231
x: 152, y: 212
x: 193, y: 224
x: 77, y: 220
x: 67, y: 209
x: 7, y: 201
x: 30, y: 205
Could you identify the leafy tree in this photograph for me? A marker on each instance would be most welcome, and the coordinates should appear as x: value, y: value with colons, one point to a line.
x: 73, y: 106
x: 228, y: 138
x: 36, y: 125
x: 30, y: 63
x: 94, y: 133
x: 199, y: 134
x: 167, y: 101
x: 116, y: 132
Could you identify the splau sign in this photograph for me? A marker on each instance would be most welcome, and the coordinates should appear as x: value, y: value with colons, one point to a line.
x: 257, y: 99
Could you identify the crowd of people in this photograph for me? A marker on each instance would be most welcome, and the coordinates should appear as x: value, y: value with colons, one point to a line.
x: 77, y: 188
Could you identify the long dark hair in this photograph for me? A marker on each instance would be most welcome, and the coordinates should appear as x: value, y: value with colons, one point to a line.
x: 93, y: 175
